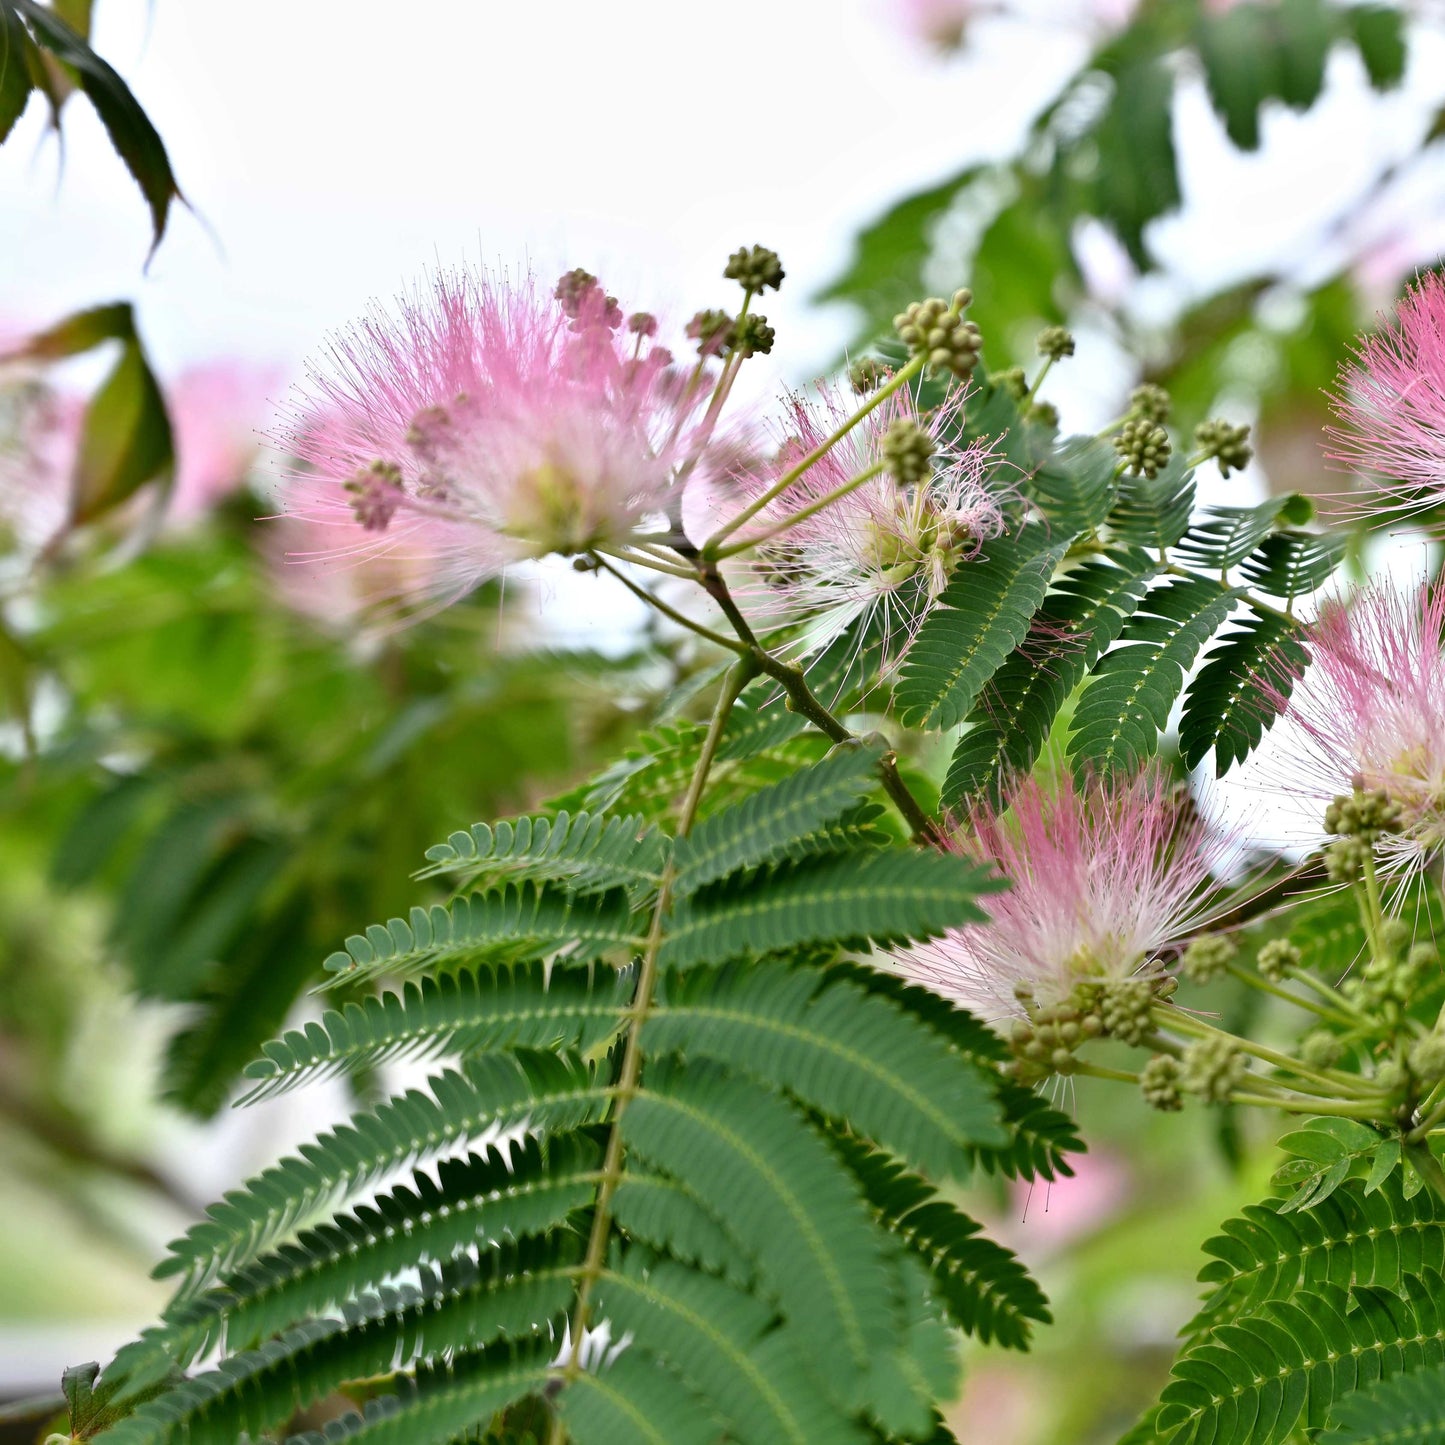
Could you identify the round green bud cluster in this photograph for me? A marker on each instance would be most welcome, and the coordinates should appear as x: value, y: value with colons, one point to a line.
x: 936, y: 330
x: 1213, y: 1069
x: 714, y: 331
x: 1159, y: 1083
x: 1124, y: 1009
x: 1389, y: 983
x: 907, y: 451
x: 1044, y: 1043
x: 1056, y: 342
x: 1321, y: 1049
x: 1427, y: 1058
x: 1012, y: 381
x: 754, y: 267
x: 1228, y: 445
x: 1144, y: 446
x: 1044, y: 414
x: 376, y: 492
x: 1344, y: 860
x: 752, y: 336
x: 642, y: 323
x: 868, y: 374
x: 1276, y: 958
x: 579, y: 290
x: 1151, y: 402
x: 1367, y: 814
x: 1206, y: 958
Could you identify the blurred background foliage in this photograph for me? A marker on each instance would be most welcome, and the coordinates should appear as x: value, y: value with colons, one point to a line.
x: 211, y: 758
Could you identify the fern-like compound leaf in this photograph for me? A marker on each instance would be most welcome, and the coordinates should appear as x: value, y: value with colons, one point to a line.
x: 458, y: 1013
x: 775, y: 822
x: 790, y: 1205
x: 1407, y: 1409
x: 1292, y: 564
x: 1225, y: 536
x: 874, y: 896
x: 517, y: 921
x: 590, y: 852
x: 493, y: 1093
x: 1131, y: 690
x: 1246, y: 678
x: 981, y: 616
x: 1080, y: 619
x: 840, y: 1051
x: 1154, y: 511
x: 635, y: 1399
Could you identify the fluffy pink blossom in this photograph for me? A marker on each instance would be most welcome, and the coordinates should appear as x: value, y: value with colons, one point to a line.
x: 216, y: 411
x: 485, y: 423
x: 1104, y: 878
x: 1391, y: 404
x: 1371, y: 708
x: 941, y: 24
x: 879, y: 555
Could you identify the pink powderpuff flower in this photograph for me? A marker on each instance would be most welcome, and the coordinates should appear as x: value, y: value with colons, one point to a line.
x: 216, y: 412
x: 1391, y: 403
x: 1105, y: 877
x: 486, y: 423
x: 940, y: 24
x: 878, y: 556
x: 1371, y: 709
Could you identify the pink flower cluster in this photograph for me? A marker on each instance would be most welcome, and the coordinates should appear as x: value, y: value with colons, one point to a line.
x: 1391, y: 405
x: 878, y: 555
x: 483, y: 424
x: 1105, y: 877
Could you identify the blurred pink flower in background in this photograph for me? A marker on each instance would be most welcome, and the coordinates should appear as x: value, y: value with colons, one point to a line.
x: 217, y: 411
x: 1046, y: 1216
x: 39, y: 433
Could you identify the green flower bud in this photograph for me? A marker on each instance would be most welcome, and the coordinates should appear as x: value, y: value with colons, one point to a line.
x: 1159, y: 1083
x: 935, y: 330
x: 1208, y: 956
x: 714, y: 331
x: 907, y: 451
x: 1124, y: 1009
x: 1012, y: 381
x: 1213, y: 1069
x: 1044, y: 414
x: 868, y: 374
x: 1056, y: 342
x: 753, y: 336
x: 1228, y: 445
x: 1427, y: 1059
x: 754, y: 267
x: 1276, y: 959
x: 1321, y: 1049
x: 1345, y: 860
x: 1150, y: 402
x: 642, y: 323
x: 1144, y: 447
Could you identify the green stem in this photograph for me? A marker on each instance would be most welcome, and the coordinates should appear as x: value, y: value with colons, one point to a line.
x: 899, y: 379
x: 1254, y: 980
x: 1331, y: 995
x: 645, y: 559
x: 626, y: 1087
x: 681, y: 618
x: 1044, y: 370
x: 1336, y: 1107
x: 1427, y: 1166
x: 1098, y: 1071
x: 793, y: 518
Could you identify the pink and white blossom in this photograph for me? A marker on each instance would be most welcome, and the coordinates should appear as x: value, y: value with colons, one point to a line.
x: 880, y: 554
x: 1391, y: 406
x: 1105, y: 878
x: 484, y: 423
x: 217, y: 410
x: 1370, y: 710
x: 39, y: 434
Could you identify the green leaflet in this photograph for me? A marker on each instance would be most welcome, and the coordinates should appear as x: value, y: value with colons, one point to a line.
x: 727, y: 1341
x: 877, y: 896
x: 981, y: 616
x: 1408, y: 1409
x: 984, y: 1287
x: 635, y: 1400
x: 514, y: 1295
x: 1227, y: 535
x: 1238, y: 692
x: 1259, y: 1378
x: 513, y: 922
x: 471, y: 1202
x: 591, y: 853
x: 790, y: 1205
x: 1080, y: 618
x: 499, y: 1090
x: 838, y: 1050
x: 1353, y: 1236
x: 1324, y: 1153
x: 445, y: 1400
x: 1154, y: 511
x: 776, y: 821
x: 1131, y: 690
x: 461, y: 1013
x: 1291, y: 564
